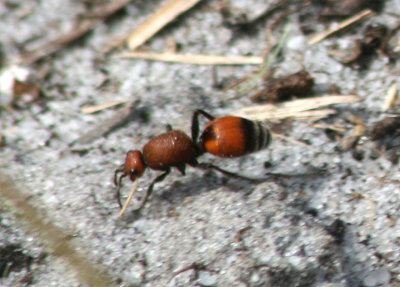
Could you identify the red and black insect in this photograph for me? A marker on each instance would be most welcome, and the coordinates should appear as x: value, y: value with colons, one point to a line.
x: 224, y: 137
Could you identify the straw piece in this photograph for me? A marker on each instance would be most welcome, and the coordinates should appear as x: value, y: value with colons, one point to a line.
x: 339, y: 129
x: 300, y: 109
x: 98, y: 108
x: 294, y: 141
x: 305, y: 115
x: 194, y: 59
x: 158, y: 20
x: 391, y: 97
x: 118, y: 119
x: 343, y: 25
x: 128, y: 200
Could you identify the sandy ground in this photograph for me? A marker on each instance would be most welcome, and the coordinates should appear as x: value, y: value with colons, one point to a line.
x: 330, y: 219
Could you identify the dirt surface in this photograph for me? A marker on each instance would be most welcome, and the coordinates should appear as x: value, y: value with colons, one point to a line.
x: 326, y: 215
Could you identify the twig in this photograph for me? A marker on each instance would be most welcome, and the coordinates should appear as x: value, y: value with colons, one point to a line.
x: 105, y: 127
x: 194, y: 59
x: 343, y: 25
x: 158, y: 20
x: 195, y: 265
x: 294, y: 141
x: 50, y: 234
x: 296, y: 108
x: 268, y: 63
x: 84, y: 27
x: 391, y: 97
x: 98, y: 108
x: 338, y: 129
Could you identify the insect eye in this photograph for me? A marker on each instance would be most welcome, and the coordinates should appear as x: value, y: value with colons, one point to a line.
x: 134, y: 172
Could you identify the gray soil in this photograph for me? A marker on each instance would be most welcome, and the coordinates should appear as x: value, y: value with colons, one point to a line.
x: 328, y: 219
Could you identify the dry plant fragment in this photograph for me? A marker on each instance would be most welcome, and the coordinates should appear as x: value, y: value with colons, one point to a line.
x: 294, y: 141
x: 385, y: 127
x: 303, y: 108
x: 194, y: 266
x: 386, y: 133
x: 355, y: 120
x: 54, y: 238
x: 239, y: 235
x: 337, y: 229
x: 349, y: 142
x: 102, y: 12
x: 298, y: 84
x: 391, y: 97
x: 252, y: 81
x: 158, y: 20
x: 359, y: 130
x: 343, y: 25
x: 118, y: 119
x: 95, y: 109
x: 346, y: 8
x: 336, y: 128
x: 24, y: 93
x: 243, y: 20
x: 18, y: 87
x: 374, y: 39
x: 194, y: 59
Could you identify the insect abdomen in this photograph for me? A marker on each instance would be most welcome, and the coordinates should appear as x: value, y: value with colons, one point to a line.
x: 234, y: 137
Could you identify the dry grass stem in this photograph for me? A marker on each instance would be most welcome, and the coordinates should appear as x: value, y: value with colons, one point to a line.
x: 55, y: 239
x: 121, y: 117
x: 98, y: 108
x: 391, y: 97
x: 101, y: 13
x: 267, y: 68
x: 157, y: 21
x: 343, y: 25
x: 299, y: 109
x: 194, y: 59
x: 330, y: 127
x: 280, y: 114
x: 294, y: 141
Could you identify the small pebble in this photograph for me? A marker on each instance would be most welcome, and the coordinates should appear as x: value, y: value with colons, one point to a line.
x: 207, y: 278
x: 378, y: 277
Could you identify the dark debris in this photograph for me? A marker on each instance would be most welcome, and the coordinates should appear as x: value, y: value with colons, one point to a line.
x: 347, y: 8
x: 13, y: 258
x: 373, y: 40
x: 275, y: 90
